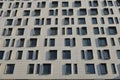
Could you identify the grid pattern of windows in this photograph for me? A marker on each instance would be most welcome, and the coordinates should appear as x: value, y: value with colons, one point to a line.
x: 59, y: 39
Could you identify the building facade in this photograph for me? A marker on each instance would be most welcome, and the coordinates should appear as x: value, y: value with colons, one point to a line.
x: 59, y: 39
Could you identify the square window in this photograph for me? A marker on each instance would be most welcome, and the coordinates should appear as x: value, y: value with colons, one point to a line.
x: 86, y: 42
x: 52, y: 54
x: 9, y: 22
x: 37, y: 12
x: 26, y: 13
x: 33, y: 42
x: 65, y: 4
x: 90, y: 69
x: 46, y: 69
x: 93, y: 11
x: 66, y: 54
x: 82, y: 12
x: 81, y: 21
x: 69, y: 31
x: 36, y: 31
x: 102, y: 41
x: 64, y: 12
x: 89, y: 54
x: 94, y: 21
x: 112, y: 30
x: 20, y: 31
x: 37, y: 21
x: 77, y: 3
x: 53, y: 31
x: 54, y: 4
x: 96, y: 30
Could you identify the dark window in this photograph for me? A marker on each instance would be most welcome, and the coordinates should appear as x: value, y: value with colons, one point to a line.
x: 70, y: 12
x: 96, y: 30
x: 43, y: 4
x: 1, y: 55
x: 46, y: 69
x: 81, y: 21
x: 26, y: 13
x: 33, y: 43
x: 7, y: 32
x: 110, y: 3
x: 86, y: 42
x: 69, y: 31
x: 90, y: 69
x: 54, y: 4
x: 16, y: 5
x: 29, y: 4
x: 93, y: 11
x: 102, y: 41
x: 53, y: 31
x: 82, y: 12
x: 67, y: 42
x: 89, y: 54
x: 7, y: 42
x: 19, y: 55
x: 20, y: 31
x: 1, y: 4
x: 38, y: 71
x: 37, y: 12
x: 113, y: 68
x: 30, y: 54
x: 7, y: 13
x: 52, y: 42
x: 106, y: 54
x: 9, y: 69
x: 48, y: 21
x: 112, y: 30
x: 8, y: 55
x: 36, y: 31
x: 51, y: 12
x: 75, y: 69
x: 9, y: 22
x: 94, y: 21
x: 118, y: 54
x: 106, y: 11
x: 65, y: 4
x: 103, y: 68
x: 37, y: 21
x: 77, y: 3
x: 83, y: 31
x: 18, y: 22
x: 110, y: 20
x: 33, y: 55
x: 68, y: 69
x: 45, y: 42
x: 66, y: 54
x: 21, y: 42
x: 30, y: 68
x: 52, y: 54
x: 64, y: 12
x: 66, y: 21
